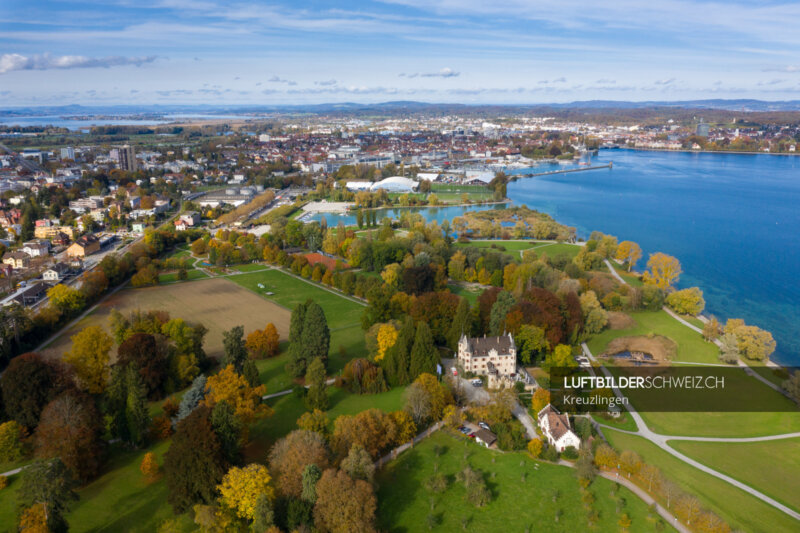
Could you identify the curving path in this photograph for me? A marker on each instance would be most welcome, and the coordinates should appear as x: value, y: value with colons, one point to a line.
x: 662, y: 442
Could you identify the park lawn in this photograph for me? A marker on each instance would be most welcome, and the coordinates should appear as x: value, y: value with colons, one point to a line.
x: 772, y: 467
x: 466, y: 292
x: 691, y: 346
x: 624, y: 422
x: 191, y: 275
x: 516, y: 505
x: 272, y: 372
x: 512, y: 248
x: 118, y: 500
x: 249, y: 267
x: 632, y: 279
x: 739, y: 509
x: 288, y: 408
x: 551, y: 249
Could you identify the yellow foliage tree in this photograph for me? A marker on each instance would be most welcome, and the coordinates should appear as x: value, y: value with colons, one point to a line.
x: 406, y: 429
x: 241, y: 488
x: 687, y: 301
x: 629, y: 252
x: 753, y: 342
x: 66, y: 299
x: 149, y: 467
x: 662, y: 271
x: 535, y: 447
x: 387, y: 336
x: 438, y: 395
x: 606, y: 457
x: 89, y: 358
x: 453, y: 416
x: 314, y: 421
x: 391, y: 274
x: 540, y: 399
x: 233, y: 388
x: 34, y: 520
x: 263, y: 342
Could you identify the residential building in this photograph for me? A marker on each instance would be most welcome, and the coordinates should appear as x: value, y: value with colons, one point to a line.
x: 83, y: 246
x: 37, y: 248
x: 17, y: 259
x: 48, y: 232
x: 57, y: 272
x: 126, y: 158
x: 68, y: 153
x: 557, y: 429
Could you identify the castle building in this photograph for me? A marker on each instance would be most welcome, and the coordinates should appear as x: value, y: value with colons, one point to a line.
x: 494, y: 357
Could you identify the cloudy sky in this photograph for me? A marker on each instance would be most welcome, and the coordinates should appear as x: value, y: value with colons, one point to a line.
x: 470, y: 51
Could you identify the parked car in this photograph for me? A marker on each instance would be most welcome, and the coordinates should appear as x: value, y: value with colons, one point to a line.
x: 485, y: 426
x: 477, y: 382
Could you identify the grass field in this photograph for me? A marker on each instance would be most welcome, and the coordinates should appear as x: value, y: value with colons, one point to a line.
x: 119, y: 500
x: 343, y: 314
x: 691, y: 346
x: 627, y: 276
x: 216, y: 303
x: 740, y: 509
x: 554, y: 249
x: 772, y: 467
x: 404, y: 503
x: 466, y: 292
x: 172, y: 277
x: 512, y: 248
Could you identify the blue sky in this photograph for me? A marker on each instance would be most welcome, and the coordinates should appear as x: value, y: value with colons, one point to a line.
x: 469, y: 51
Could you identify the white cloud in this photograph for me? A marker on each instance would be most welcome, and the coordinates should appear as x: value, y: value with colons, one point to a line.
x: 665, y: 81
x: 787, y: 68
x: 12, y: 62
x: 446, y: 72
x: 276, y: 79
x: 325, y: 83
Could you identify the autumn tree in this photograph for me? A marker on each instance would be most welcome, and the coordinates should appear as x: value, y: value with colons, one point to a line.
x: 315, y: 420
x: 89, y: 357
x: 28, y: 384
x: 233, y: 388
x: 143, y: 353
x: 149, y: 467
x: 11, y: 446
x: 242, y: 487
x: 359, y: 464
x: 662, y: 271
x: 535, y: 448
x: 531, y: 343
x: 687, y: 301
x: 195, y: 464
x: 66, y: 299
x: 404, y: 427
x: 630, y: 462
x: 386, y: 337
x: 712, y: 329
x: 629, y: 253
x: 317, y: 395
x: 290, y: 456
x: 48, y: 484
x: 752, y: 342
x: 397, y: 360
x: 344, y: 504
x: 540, y: 399
x: 606, y: 457
x: 71, y: 429
x: 93, y: 284
x: 372, y: 429
x: 263, y: 343
x: 426, y: 399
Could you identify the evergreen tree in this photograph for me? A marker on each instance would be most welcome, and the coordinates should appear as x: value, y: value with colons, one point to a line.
x: 317, y: 396
x: 235, y: 350
x: 228, y: 428
x: 360, y: 218
x: 397, y: 359
x: 250, y: 373
x: 424, y: 355
x: 264, y: 517
x: 195, y: 463
x: 461, y: 325
x: 48, y: 483
x: 137, y: 416
x: 311, y: 475
x: 192, y: 398
x: 497, y: 317
x: 296, y: 364
x: 309, y: 337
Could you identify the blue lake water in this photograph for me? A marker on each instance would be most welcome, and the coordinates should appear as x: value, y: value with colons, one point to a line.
x: 732, y: 220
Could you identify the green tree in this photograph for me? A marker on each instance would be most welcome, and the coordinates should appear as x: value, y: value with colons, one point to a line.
x: 309, y: 337
x: 50, y: 484
x: 359, y: 464
x: 195, y: 462
x: 461, y: 325
x: 497, y: 318
x: 311, y: 475
x: 317, y: 395
x: 235, y: 349
x: 396, y: 362
x: 28, y: 384
x: 531, y: 343
x: 424, y: 355
x: 228, y: 428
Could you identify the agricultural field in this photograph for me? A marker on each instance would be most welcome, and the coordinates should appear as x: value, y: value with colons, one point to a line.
x: 772, y: 467
x: 738, y: 508
x: 216, y: 303
x: 525, y: 493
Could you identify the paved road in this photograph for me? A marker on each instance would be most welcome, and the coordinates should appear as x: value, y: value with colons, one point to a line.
x: 661, y: 441
x: 614, y: 272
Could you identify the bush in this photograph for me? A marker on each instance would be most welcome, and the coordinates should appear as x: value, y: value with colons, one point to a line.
x: 550, y: 454
x: 570, y: 453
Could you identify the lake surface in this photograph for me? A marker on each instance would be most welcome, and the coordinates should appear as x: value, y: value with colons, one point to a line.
x: 732, y: 220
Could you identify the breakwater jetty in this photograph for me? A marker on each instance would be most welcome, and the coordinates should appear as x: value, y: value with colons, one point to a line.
x: 533, y: 174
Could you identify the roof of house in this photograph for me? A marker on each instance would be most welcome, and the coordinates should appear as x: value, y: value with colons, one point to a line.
x: 481, y: 346
x: 558, y: 423
x: 486, y: 436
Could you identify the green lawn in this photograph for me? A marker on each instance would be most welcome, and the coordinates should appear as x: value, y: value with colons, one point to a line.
x: 516, y: 505
x: 632, y: 279
x: 554, y: 249
x: 772, y: 467
x: 464, y: 292
x: 343, y: 314
x: 511, y: 248
x: 119, y: 500
x: 191, y: 275
x: 740, y: 509
x: 691, y: 346
x: 625, y: 421
x: 249, y: 267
